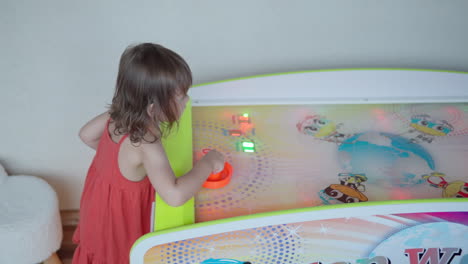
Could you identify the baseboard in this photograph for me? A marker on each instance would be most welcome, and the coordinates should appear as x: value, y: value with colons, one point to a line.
x: 70, y: 217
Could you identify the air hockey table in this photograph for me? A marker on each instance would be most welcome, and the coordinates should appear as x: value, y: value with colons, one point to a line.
x: 339, y: 166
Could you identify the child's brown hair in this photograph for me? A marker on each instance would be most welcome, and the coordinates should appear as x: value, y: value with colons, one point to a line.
x: 148, y: 74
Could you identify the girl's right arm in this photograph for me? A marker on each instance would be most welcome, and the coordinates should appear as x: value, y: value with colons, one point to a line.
x: 177, y: 191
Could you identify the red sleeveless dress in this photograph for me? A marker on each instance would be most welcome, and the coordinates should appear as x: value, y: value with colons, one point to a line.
x: 114, y: 211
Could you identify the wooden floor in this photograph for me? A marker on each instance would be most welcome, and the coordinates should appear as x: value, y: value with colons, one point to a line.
x: 69, y: 221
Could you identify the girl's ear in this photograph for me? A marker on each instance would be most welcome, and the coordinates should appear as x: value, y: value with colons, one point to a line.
x: 150, y: 110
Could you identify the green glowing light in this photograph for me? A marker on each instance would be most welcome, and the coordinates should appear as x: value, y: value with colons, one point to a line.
x: 248, y: 144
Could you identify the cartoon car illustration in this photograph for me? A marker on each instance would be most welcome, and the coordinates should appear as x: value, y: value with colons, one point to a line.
x: 349, y: 189
x: 428, y: 128
x: 321, y: 128
x: 455, y: 189
x: 224, y: 261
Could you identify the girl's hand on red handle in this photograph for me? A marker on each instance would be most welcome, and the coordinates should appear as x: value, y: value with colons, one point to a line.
x: 216, y: 160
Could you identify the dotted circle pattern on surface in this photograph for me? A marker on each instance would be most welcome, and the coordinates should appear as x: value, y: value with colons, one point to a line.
x: 275, y: 245
x: 269, y: 244
x: 252, y: 171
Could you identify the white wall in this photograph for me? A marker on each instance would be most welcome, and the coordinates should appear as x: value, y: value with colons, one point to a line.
x: 58, y: 59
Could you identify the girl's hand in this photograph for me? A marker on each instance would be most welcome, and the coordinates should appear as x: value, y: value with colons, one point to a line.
x: 216, y: 160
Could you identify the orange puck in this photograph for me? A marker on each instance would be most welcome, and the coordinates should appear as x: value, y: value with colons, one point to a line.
x: 220, y: 179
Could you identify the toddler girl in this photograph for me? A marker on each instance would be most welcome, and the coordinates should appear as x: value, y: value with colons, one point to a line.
x: 130, y: 162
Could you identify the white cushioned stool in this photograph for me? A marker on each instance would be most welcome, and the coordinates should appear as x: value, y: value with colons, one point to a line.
x: 30, y: 226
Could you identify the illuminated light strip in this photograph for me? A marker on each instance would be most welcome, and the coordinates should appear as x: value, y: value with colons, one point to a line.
x: 235, y: 133
x: 248, y: 144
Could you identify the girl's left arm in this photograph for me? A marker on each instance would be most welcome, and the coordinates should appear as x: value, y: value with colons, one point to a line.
x: 91, y: 132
